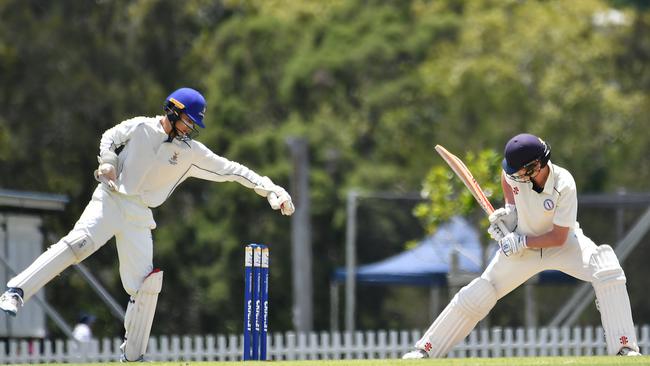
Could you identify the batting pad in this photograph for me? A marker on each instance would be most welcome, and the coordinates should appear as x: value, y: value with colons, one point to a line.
x: 613, y: 301
x: 471, y: 304
x: 139, y: 316
x: 71, y: 249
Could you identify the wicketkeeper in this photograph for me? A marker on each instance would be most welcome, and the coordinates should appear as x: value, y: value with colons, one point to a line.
x: 141, y: 162
x: 542, y: 233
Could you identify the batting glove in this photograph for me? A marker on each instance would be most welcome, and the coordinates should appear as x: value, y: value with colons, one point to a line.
x: 507, y: 215
x: 106, y: 174
x: 496, y: 232
x: 513, y: 243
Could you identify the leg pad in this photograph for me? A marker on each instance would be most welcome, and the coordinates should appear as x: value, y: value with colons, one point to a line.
x: 471, y: 304
x: 612, y: 301
x: 139, y: 317
x: 71, y: 249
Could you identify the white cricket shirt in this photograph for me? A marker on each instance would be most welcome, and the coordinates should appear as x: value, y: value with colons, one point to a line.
x: 149, y: 168
x: 556, y: 204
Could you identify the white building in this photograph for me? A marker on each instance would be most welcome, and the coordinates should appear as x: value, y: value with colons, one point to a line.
x: 21, y: 241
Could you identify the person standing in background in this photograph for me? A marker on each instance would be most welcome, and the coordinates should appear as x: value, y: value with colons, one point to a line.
x: 83, y: 330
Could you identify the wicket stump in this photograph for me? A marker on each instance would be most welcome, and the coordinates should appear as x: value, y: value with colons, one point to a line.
x: 256, y: 301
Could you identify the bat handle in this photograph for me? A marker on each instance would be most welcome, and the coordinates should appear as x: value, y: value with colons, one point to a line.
x: 503, y: 228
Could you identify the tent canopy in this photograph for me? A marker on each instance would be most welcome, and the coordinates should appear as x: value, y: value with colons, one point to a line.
x: 429, y: 263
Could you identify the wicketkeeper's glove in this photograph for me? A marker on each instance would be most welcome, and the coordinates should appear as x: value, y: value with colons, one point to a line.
x: 277, y: 196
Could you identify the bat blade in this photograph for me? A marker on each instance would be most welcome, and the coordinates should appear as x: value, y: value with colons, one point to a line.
x: 466, y: 177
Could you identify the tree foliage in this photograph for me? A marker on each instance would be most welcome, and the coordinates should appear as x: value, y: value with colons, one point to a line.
x: 372, y: 85
x: 447, y: 196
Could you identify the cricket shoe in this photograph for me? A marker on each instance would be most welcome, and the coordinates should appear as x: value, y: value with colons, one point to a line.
x: 416, y: 354
x: 11, y: 300
x: 124, y: 360
x: 626, y: 351
x: 123, y: 355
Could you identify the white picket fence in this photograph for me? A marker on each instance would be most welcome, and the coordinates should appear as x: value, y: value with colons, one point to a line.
x: 495, y: 342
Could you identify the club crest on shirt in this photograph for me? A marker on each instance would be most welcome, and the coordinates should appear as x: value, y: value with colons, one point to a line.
x: 548, y: 204
x: 174, y: 159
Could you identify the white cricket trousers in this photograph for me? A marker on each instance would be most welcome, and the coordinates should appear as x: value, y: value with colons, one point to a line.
x: 572, y: 258
x: 107, y: 214
x: 582, y: 259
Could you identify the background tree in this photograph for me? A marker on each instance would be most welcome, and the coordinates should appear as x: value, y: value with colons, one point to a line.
x: 447, y: 196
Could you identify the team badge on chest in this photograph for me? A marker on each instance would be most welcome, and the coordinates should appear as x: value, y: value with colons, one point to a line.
x: 174, y: 159
x: 549, y: 204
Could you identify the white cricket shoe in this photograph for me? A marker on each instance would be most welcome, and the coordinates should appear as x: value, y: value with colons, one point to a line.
x: 123, y: 356
x: 626, y: 351
x: 124, y: 360
x: 416, y: 354
x: 10, y: 302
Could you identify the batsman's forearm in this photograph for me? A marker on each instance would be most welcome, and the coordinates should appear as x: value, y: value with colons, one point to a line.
x: 554, y: 238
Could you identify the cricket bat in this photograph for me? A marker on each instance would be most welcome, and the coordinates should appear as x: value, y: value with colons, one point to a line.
x: 465, y: 175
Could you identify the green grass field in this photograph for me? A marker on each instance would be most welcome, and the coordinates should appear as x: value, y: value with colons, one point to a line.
x: 514, y: 361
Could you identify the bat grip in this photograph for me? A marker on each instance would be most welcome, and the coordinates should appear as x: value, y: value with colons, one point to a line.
x: 503, y: 228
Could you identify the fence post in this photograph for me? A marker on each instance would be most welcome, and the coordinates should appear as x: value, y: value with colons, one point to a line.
x: 359, y: 345
x: 382, y: 351
x: 565, y: 339
x: 405, y: 343
x: 325, y: 346
x: 291, y: 346
x: 302, y: 346
x: 495, y: 342
x: 543, y: 342
x: 485, y: 342
x: 472, y: 345
x: 347, y: 344
x: 47, y: 351
x: 589, y: 343
x: 520, y: 342
x: 210, y: 352
x: 337, y: 345
x: 371, y: 345
x: 277, y: 349
x: 235, y: 348
x: 577, y: 341
x: 531, y: 341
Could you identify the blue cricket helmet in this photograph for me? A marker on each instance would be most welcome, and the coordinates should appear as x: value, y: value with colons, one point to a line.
x: 190, y: 102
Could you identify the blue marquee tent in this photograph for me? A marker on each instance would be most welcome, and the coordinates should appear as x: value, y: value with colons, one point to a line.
x: 429, y: 262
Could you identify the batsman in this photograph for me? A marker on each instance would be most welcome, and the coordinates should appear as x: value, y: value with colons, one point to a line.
x: 537, y: 230
x: 141, y: 162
